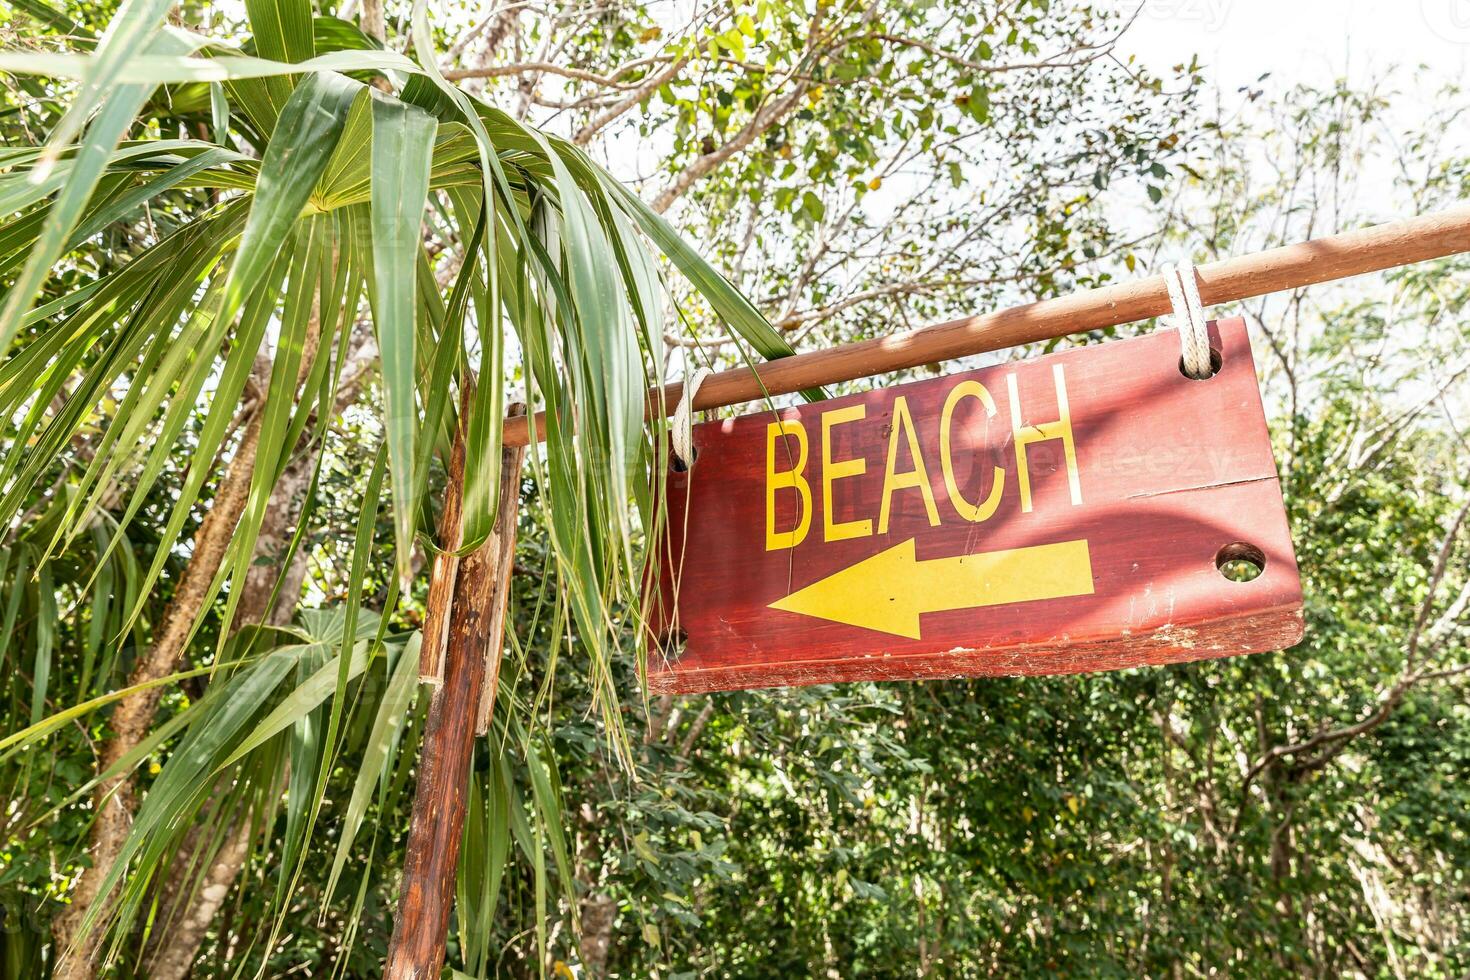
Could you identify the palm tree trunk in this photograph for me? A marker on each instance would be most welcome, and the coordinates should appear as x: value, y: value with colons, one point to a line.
x: 115, y: 800
x: 184, y: 934
x: 471, y: 654
x: 598, y: 913
x: 188, y: 914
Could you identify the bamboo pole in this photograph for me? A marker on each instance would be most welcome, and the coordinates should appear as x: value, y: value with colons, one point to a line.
x: 1351, y: 253
x: 471, y: 649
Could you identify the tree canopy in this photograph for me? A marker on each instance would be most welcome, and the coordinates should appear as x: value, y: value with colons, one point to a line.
x: 258, y: 266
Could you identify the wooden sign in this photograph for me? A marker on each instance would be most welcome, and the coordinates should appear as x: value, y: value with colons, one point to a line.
x: 1075, y: 512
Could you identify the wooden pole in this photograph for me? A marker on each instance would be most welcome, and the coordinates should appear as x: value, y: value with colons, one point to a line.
x: 1288, y: 267
x: 471, y: 650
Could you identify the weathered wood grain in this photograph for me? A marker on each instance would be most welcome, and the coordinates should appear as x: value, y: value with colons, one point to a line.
x: 1115, y: 562
x: 446, y: 562
x: 505, y: 534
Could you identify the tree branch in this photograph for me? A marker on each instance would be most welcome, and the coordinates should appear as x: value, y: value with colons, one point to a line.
x: 1331, y: 742
x: 643, y: 91
x: 547, y: 68
x: 695, y: 730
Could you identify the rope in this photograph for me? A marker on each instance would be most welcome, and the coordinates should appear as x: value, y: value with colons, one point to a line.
x: 1189, y: 319
x: 682, y: 431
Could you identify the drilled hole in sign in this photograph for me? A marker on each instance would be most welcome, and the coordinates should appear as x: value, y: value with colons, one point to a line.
x: 1216, y: 362
x: 670, y: 641
x: 1240, y: 562
x: 678, y: 465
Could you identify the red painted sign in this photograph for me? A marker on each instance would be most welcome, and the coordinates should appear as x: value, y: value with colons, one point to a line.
x: 1070, y: 513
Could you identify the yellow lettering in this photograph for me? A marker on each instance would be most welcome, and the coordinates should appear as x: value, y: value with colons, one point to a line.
x: 834, y: 470
x: 1026, y: 435
x: 985, y: 508
x: 787, y: 478
x: 917, y: 477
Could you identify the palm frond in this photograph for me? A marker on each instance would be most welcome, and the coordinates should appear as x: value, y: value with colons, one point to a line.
x: 223, y: 341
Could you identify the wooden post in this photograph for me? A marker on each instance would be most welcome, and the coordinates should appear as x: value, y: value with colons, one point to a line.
x: 471, y: 634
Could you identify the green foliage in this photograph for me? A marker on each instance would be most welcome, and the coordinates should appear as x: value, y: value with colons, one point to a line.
x: 1170, y: 821
x: 275, y: 253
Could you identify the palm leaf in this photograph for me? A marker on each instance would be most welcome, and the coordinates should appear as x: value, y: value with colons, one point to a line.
x: 402, y: 147
x: 269, y: 267
x: 118, y: 106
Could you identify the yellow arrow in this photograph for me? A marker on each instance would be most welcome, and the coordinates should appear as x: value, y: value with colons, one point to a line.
x: 889, y: 591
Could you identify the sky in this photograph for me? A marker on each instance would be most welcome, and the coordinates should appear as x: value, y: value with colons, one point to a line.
x: 1302, y: 40
x: 1311, y: 41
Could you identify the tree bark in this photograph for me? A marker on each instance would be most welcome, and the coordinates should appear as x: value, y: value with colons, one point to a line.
x: 189, y: 915
x: 282, y: 515
x: 598, y: 913
x: 115, y: 800
x: 186, y: 927
x: 436, y: 829
x: 185, y: 931
x: 372, y: 21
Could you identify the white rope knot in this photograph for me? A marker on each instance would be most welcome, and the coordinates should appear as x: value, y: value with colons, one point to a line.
x: 1189, y: 319
x: 682, y: 431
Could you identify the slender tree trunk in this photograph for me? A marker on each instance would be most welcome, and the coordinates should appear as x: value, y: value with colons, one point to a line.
x: 115, y: 800
x: 186, y: 932
x: 189, y: 914
x: 186, y: 927
x: 282, y: 515
x: 372, y: 21
x: 436, y: 829
x: 598, y: 912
